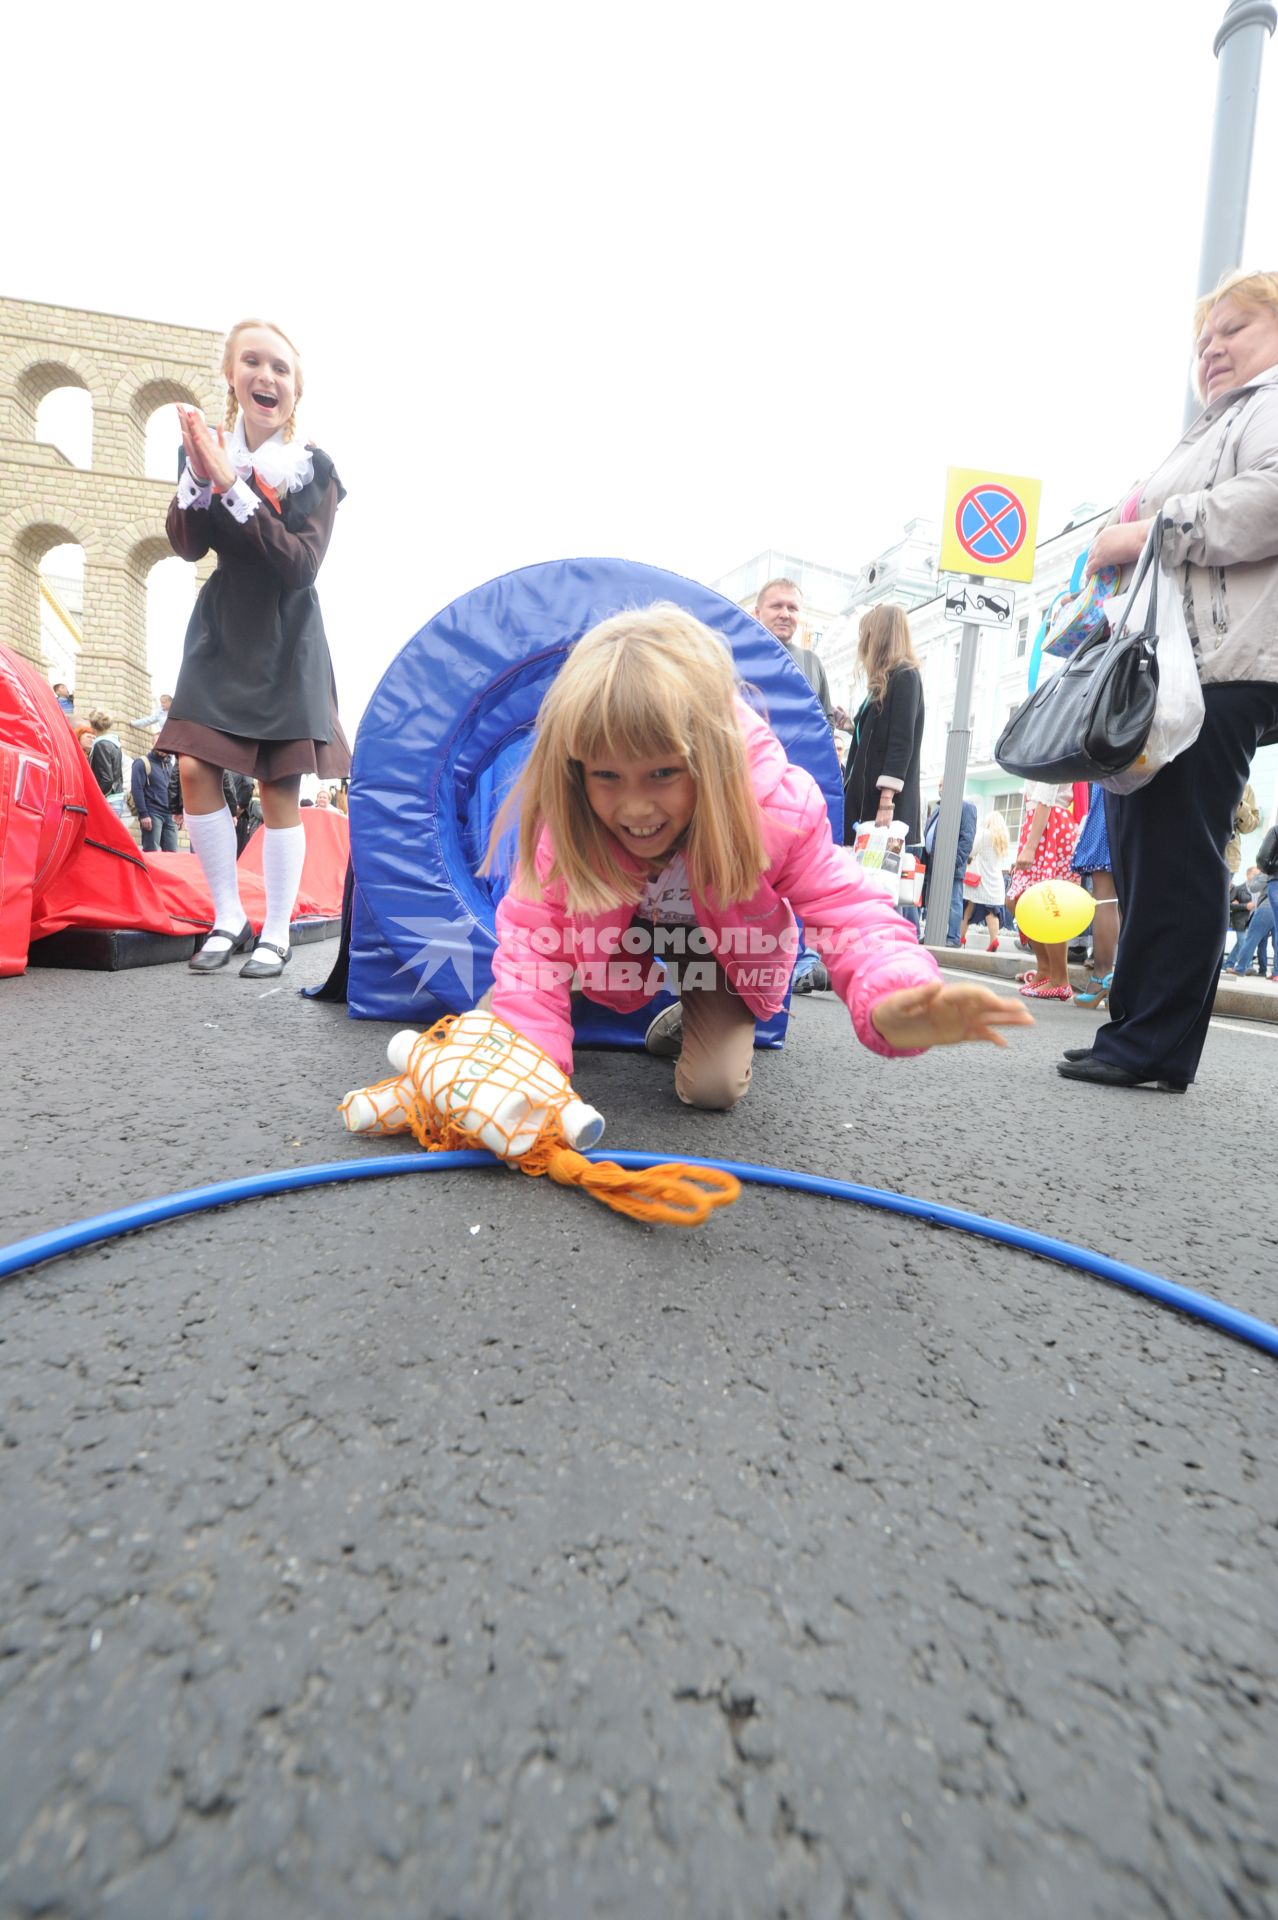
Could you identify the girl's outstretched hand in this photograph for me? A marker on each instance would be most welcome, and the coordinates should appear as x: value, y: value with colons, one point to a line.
x: 941, y: 1016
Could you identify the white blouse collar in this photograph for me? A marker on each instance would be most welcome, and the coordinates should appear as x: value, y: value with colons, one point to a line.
x: 287, y: 468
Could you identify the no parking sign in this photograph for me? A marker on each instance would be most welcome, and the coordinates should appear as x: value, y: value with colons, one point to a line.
x: 990, y: 524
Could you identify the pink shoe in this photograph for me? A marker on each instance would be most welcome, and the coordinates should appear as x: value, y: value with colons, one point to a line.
x: 993, y: 946
x: 1044, y: 991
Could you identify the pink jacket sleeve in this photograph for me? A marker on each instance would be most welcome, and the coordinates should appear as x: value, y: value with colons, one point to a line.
x: 533, y: 968
x: 869, y: 950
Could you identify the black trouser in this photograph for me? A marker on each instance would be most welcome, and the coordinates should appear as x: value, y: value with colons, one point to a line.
x: 1168, y: 846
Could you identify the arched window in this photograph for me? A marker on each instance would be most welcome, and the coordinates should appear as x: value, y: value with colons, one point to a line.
x: 170, y: 592
x: 163, y: 438
x: 154, y: 410
x: 61, y: 606
x: 64, y: 419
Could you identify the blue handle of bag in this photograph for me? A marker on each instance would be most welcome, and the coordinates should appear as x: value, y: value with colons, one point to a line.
x: 1036, y: 654
x: 1076, y: 578
x: 1036, y: 651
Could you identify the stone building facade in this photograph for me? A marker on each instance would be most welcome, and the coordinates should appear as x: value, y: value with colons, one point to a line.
x: 129, y: 368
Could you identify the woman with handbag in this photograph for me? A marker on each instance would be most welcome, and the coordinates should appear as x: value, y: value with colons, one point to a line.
x: 1216, y: 496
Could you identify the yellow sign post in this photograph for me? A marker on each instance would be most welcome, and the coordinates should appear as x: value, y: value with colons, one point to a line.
x: 990, y: 524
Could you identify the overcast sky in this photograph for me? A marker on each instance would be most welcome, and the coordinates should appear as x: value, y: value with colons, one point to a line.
x: 678, y: 282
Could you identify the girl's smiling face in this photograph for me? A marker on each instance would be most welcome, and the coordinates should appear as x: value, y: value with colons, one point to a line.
x: 645, y: 804
x: 264, y: 381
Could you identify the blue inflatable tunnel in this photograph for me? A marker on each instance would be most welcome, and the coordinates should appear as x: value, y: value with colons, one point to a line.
x: 442, y: 741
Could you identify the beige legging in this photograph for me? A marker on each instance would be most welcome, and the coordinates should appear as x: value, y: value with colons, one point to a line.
x: 714, y: 1068
x: 717, y: 1060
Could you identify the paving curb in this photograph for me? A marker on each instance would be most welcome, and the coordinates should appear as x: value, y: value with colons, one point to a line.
x: 1239, y: 999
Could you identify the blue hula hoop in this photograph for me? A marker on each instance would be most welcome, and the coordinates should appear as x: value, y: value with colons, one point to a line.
x: 23, y: 1254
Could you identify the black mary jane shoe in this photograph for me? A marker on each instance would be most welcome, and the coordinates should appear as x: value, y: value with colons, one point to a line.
x: 206, y: 962
x: 1100, y: 1073
x: 256, y: 969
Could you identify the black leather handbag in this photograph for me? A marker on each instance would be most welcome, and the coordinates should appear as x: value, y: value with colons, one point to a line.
x: 1093, y: 717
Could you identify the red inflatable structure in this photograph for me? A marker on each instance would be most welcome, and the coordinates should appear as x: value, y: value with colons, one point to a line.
x: 67, y: 862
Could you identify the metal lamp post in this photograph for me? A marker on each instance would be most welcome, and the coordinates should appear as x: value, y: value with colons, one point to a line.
x: 1239, y: 47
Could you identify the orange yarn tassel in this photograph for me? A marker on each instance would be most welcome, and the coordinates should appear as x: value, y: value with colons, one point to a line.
x: 673, y: 1195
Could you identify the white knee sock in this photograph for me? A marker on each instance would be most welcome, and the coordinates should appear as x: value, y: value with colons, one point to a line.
x: 283, y: 851
x: 213, y: 839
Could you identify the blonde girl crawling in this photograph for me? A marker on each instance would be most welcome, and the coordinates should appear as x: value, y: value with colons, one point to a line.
x: 661, y: 825
x: 255, y: 693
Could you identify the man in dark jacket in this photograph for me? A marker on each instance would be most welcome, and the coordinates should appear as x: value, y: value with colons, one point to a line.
x: 779, y: 608
x: 152, y: 788
x: 935, y: 899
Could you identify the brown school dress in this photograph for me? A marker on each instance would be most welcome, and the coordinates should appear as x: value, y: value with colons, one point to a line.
x: 256, y: 693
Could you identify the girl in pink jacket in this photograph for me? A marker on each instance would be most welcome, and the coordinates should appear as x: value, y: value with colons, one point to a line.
x: 665, y: 840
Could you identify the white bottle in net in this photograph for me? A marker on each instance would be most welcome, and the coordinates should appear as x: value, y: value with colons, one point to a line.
x: 470, y: 1076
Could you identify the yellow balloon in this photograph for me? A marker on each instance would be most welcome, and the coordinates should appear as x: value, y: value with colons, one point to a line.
x: 1053, y: 911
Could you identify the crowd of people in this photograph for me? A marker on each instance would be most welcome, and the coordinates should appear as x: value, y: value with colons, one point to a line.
x: 146, y: 790
x: 1155, y: 858
x: 1064, y: 833
x: 677, y: 810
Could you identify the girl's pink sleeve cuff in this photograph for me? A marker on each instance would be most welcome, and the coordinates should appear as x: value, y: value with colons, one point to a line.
x: 913, y: 967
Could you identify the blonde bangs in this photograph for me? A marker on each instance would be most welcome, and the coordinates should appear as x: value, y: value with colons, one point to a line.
x: 1253, y: 291
x: 627, y: 702
x: 638, y: 686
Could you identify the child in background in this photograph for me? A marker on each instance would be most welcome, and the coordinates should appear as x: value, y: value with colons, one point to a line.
x: 989, y: 850
x: 256, y: 693
x: 659, y: 816
x: 1046, y: 852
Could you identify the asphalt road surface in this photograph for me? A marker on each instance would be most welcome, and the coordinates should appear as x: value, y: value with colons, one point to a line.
x: 451, y: 1547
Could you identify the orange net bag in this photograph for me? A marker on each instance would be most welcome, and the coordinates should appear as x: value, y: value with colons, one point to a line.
x: 472, y: 1081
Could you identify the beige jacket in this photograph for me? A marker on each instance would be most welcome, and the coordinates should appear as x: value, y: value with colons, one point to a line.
x: 1218, y: 494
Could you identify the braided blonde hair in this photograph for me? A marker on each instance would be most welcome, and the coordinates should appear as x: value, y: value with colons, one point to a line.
x: 228, y: 361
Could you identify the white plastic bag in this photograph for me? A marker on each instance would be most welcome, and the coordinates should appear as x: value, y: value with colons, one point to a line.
x: 1178, y: 712
x: 880, y: 852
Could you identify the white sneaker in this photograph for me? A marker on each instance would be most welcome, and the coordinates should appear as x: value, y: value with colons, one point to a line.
x: 665, y: 1036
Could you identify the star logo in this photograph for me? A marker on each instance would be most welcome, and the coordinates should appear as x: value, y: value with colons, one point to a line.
x: 443, y: 943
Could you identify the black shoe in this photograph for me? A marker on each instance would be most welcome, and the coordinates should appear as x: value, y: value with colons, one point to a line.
x: 206, y: 962
x: 1077, y: 1053
x: 258, y: 969
x: 1099, y: 1073
x: 814, y: 980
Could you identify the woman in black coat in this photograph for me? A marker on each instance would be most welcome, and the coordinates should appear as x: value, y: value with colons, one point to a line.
x: 881, y: 782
